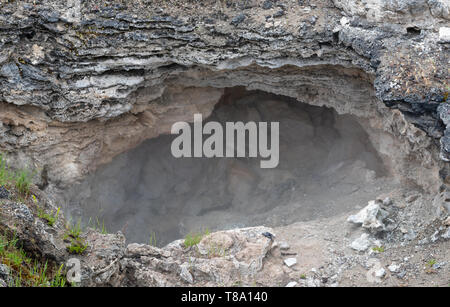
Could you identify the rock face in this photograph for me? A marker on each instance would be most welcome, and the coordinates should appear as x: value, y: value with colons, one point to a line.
x: 220, y: 258
x: 82, y: 82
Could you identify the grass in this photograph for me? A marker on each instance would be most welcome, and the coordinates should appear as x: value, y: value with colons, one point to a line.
x: 51, y: 217
x: 4, y: 173
x: 24, y: 271
x: 193, y: 239
x: 152, y: 241
x: 77, y: 246
x: 23, y: 182
x: 378, y: 249
x: 73, y: 230
x: 431, y: 263
x: 97, y: 225
x: 21, y: 179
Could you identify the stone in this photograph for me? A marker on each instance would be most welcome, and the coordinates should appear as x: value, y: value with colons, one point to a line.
x: 446, y: 222
x: 444, y: 35
x: 394, y: 267
x: 267, y: 5
x: 291, y: 284
x: 411, y: 235
x: 4, y: 193
x: 411, y: 198
x: 238, y: 19
x: 278, y: 14
x: 4, y: 272
x: 290, y: 261
x: 344, y: 21
x: 387, y: 201
x: 446, y: 234
x: 362, y: 243
x: 284, y: 246
x: 401, y: 274
x: 380, y: 273
x: 371, y: 217
x: 186, y: 275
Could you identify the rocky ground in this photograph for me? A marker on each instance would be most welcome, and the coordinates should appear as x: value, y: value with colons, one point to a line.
x: 399, y: 239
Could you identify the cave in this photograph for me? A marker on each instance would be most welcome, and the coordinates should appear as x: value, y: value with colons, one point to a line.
x: 328, y: 165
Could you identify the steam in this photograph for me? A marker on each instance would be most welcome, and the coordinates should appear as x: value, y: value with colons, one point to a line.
x: 326, y: 166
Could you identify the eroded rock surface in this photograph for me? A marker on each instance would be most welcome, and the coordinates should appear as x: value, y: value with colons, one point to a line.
x: 82, y: 82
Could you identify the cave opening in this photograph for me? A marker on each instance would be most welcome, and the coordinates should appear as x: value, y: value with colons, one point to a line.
x: 327, y: 166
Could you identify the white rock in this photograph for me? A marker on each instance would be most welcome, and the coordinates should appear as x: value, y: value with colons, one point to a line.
x: 362, y: 243
x: 446, y: 235
x: 380, y: 273
x: 291, y: 284
x: 290, y: 261
x: 344, y: 21
x: 444, y: 35
x: 394, y: 267
x: 370, y: 217
x: 284, y: 245
x: 387, y: 201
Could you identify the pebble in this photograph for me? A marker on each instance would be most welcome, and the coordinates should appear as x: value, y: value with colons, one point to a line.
x: 267, y: 5
x: 4, y: 193
x: 401, y: 275
x: 387, y: 201
x: 447, y: 222
x: 444, y: 35
x: 238, y: 19
x: 284, y: 246
x: 291, y: 284
x: 380, y: 273
x: 412, y: 198
x: 394, y: 267
x: 362, y: 243
x: 290, y: 261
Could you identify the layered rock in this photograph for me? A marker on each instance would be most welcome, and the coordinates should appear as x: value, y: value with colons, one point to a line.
x: 81, y: 82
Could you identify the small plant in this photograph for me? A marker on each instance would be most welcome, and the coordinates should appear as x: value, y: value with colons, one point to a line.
x: 378, y: 249
x: 25, y: 272
x: 51, y: 218
x: 4, y: 173
x: 100, y: 227
x: 23, y: 182
x: 77, y: 246
x: 152, y: 241
x: 193, y: 239
x: 73, y: 231
x: 303, y: 276
x: 431, y: 263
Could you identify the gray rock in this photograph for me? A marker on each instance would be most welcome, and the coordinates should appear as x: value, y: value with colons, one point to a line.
x: 446, y: 234
x: 238, y: 19
x: 5, y: 277
x: 268, y: 4
x: 371, y: 217
x: 4, y: 193
x: 362, y: 243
